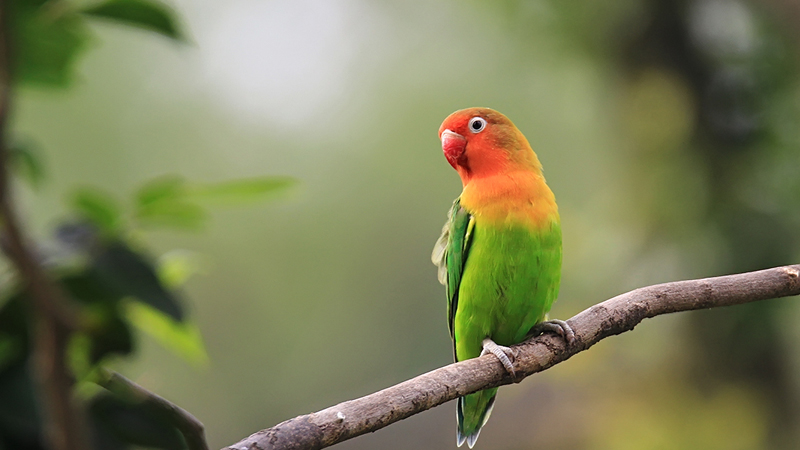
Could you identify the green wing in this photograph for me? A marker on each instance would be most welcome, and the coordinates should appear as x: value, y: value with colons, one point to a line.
x: 450, y: 254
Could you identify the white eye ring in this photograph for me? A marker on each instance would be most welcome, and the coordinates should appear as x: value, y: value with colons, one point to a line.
x: 477, y: 124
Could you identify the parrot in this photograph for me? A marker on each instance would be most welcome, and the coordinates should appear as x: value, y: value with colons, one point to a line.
x: 499, y: 254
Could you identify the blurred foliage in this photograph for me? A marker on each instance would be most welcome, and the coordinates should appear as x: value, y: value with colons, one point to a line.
x: 26, y: 162
x: 728, y: 65
x: 49, y: 35
x: 173, y: 202
x: 47, y: 38
x: 117, y: 287
x: 138, y: 13
x: 125, y: 423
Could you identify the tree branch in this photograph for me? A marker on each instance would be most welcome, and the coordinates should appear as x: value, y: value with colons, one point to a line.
x: 615, y: 316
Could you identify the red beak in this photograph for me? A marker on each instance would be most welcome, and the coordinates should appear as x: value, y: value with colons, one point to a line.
x: 453, y: 145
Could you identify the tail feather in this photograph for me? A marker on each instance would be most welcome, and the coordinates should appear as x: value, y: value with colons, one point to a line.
x: 473, y: 438
x: 460, y: 438
x: 472, y: 413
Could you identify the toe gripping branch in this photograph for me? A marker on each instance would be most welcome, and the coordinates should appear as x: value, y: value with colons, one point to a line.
x: 556, y: 326
x: 504, y: 354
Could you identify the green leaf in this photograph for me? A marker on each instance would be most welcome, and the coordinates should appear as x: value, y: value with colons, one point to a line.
x: 181, y: 337
x: 114, y: 337
x: 102, y: 437
x: 162, y: 202
x: 177, y: 266
x: 48, y: 37
x: 148, y: 15
x: 170, y: 188
x: 135, y: 423
x: 99, y: 208
x: 131, y: 275
x: 172, y: 202
x: 241, y: 191
x: 14, y: 317
x: 89, y: 288
x: 26, y: 162
x: 11, y: 350
x: 19, y: 415
x: 104, y: 332
x: 172, y: 214
x: 29, y: 4
x: 78, y: 349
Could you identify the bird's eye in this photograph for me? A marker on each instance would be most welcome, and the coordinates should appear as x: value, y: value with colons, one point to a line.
x: 477, y: 124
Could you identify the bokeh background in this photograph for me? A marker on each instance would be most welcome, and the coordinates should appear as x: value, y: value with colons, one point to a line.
x: 668, y: 131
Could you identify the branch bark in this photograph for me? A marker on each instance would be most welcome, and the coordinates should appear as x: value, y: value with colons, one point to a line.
x: 615, y: 316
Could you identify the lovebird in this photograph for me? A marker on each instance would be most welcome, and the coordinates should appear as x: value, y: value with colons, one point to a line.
x: 499, y: 255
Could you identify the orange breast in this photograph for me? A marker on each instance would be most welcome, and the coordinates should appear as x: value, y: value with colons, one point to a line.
x: 512, y: 198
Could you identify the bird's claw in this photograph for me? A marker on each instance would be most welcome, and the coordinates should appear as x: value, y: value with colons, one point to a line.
x: 504, y: 354
x: 559, y: 327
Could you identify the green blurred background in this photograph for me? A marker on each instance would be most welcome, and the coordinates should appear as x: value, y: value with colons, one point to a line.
x: 668, y: 131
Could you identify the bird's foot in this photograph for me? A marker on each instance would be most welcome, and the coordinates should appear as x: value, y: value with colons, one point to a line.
x: 559, y: 327
x: 504, y: 354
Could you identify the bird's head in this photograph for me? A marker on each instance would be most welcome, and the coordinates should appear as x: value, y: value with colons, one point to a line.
x: 481, y: 142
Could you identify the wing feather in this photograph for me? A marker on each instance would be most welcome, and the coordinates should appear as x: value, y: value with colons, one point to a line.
x: 450, y: 255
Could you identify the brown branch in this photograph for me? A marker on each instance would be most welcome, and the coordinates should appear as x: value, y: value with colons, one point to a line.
x: 192, y: 429
x: 615, y: 316
x: 53, y: 319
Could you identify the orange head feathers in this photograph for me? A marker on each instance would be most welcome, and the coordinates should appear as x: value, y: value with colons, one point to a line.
x: 481, y: 142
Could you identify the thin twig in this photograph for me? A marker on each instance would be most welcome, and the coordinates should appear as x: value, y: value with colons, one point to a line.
x: 615, y: 316
x: 192, y: 429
